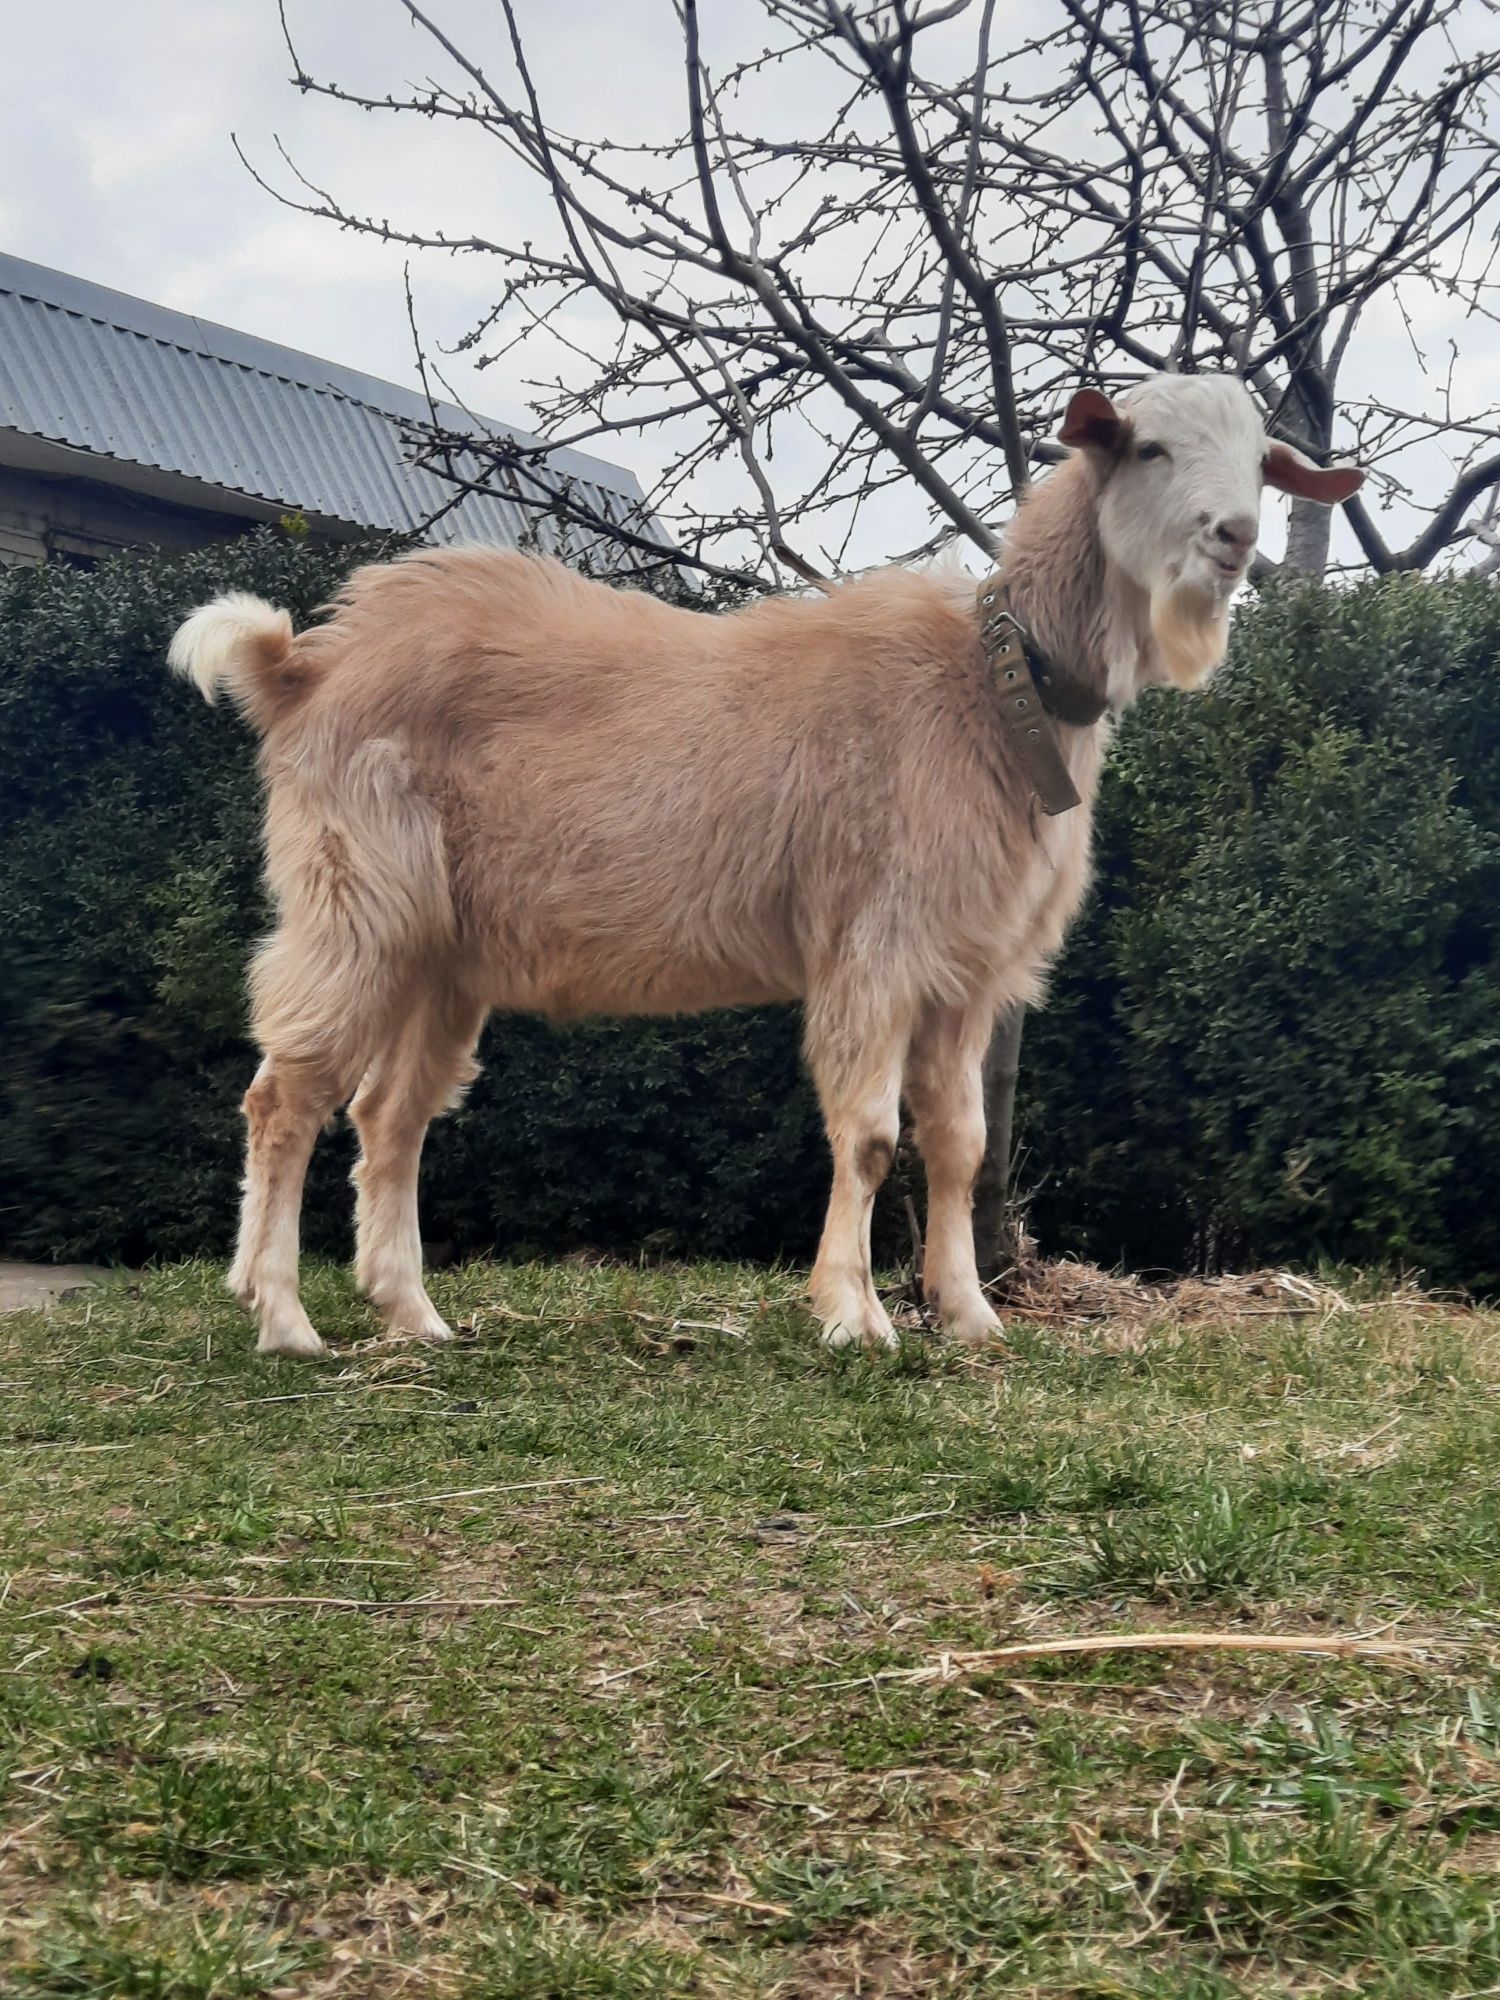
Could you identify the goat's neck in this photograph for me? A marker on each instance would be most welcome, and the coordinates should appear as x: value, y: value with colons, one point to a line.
x: 1085, y: 612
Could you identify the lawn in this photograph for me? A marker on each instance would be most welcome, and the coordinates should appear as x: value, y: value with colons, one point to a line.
x: 578, y: 1659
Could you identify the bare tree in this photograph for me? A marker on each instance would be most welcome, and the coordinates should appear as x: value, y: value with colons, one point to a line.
x: 898, y: 297
x: 814, y: 319
x: 1277, y: 173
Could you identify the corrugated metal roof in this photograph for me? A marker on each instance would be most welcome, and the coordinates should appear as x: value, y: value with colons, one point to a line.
x: 125, y: 380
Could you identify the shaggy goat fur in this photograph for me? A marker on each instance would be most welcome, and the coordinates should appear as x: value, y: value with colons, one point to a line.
x: 493, y: 783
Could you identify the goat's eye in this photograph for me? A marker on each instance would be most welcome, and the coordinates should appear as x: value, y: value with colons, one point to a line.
x: 1151, y: 451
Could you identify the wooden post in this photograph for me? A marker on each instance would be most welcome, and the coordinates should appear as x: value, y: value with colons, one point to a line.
x: 994, y: 1233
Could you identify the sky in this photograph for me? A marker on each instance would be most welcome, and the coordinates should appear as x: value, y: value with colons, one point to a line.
x: 117, y: 163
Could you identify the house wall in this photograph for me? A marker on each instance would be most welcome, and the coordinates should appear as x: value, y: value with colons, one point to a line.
x: 77, y: 520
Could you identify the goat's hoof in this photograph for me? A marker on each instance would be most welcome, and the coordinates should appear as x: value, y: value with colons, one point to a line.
x: 869, y: 1328
x: 988, y: 1334
x: 981, y: 1335
x: 288, y: 1330
x: 419, y: 1319
x: 976, y: 1326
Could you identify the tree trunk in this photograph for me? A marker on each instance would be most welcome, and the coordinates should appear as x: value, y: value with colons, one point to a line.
x: 994, y: 1230
x: 1307, y: 538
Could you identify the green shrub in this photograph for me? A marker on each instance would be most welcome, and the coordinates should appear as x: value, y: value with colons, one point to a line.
x: 1274, y: 1033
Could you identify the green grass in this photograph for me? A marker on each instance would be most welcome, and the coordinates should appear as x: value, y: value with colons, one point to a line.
x: 678, y: 1757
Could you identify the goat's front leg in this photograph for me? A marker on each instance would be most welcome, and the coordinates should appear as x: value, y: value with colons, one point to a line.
x: 859, y: 1086
x: 944, y: 1088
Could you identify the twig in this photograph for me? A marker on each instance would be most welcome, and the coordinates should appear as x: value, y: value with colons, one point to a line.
x: 687, y: 1325
x: 334, y: 1603
x: 951, y: 1666
x: 474, y: 1492
x: 529, y: 1319
x: 713, y: 1896
x: 901, y: 1520
x: 1352, y: 1445
x: 348, y: 1389
x: 73, y: 1604
x: 322, y: 1562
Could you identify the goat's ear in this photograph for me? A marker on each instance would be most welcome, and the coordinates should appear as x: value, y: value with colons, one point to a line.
x: 1287, y: 469
x: 1092, y: 419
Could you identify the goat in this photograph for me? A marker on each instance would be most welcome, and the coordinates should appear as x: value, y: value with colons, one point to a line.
x: 494, y: 783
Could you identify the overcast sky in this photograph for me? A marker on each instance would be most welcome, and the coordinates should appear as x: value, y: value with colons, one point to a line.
x: 116, y: 164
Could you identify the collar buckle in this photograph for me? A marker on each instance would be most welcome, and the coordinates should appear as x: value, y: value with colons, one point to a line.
x: 1000, y: 625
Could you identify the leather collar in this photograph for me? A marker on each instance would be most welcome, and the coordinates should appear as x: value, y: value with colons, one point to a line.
x: 1034, y: 693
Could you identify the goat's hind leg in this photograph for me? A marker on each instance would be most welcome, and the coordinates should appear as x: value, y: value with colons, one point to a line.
x: 314, y: 1016
x: 285, y: 1108
x: 423, y: 1071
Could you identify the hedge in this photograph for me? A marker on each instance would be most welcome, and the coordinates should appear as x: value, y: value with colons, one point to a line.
x: 1274, y: 1033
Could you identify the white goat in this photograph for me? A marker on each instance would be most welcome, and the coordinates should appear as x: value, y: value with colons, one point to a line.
x: 494, y: 784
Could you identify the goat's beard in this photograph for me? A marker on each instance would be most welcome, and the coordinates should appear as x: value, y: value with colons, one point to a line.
x: 1190, y: 624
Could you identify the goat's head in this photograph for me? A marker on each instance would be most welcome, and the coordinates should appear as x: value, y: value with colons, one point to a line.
x: 1182, y: 461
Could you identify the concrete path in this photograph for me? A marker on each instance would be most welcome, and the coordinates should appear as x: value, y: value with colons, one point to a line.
x: 24, y: 1287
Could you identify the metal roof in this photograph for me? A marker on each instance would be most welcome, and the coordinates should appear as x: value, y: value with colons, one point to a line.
x: 221, y: 418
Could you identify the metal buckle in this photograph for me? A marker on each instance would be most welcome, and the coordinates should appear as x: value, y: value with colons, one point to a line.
x: 996, y: 621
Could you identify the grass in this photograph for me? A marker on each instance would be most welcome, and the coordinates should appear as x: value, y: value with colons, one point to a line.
x: 673, y: 1754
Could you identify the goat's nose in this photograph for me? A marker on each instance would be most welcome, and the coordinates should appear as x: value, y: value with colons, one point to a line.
x: 1239, y: 530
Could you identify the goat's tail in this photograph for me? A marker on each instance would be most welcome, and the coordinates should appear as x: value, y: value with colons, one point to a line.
x: 241, y: 643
